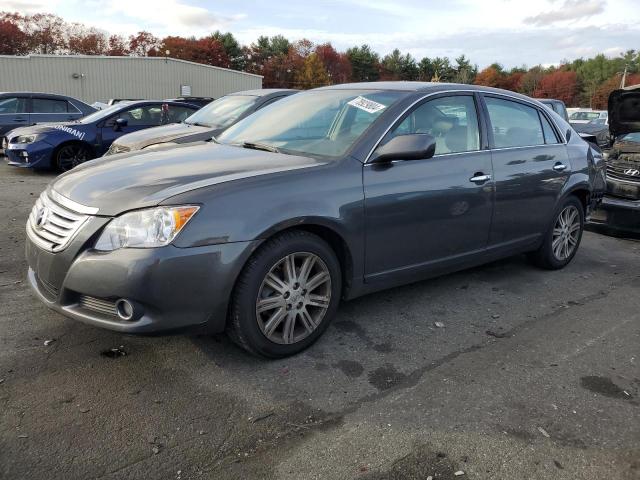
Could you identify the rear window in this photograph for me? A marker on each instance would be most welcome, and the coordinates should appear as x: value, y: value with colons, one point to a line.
x: 514, y: 124
x: 49, y: 105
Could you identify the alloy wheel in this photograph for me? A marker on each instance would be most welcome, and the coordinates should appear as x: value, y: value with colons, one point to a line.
x: 293, y: 298
x: 71, y: 156
x: 566, y: 233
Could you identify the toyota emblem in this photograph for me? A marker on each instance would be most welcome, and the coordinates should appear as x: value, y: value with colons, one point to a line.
x: 41, y: 217
x: 632, y: 172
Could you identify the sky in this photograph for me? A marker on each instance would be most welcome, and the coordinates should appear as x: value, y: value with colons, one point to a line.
x: 510, y: 32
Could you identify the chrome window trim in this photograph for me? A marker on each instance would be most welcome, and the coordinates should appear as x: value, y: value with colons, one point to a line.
x: 72, y: 205
x: 486, y: 92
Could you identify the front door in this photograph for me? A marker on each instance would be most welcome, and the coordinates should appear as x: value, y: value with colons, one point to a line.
x: 421, y: 214
x: 137, y: 117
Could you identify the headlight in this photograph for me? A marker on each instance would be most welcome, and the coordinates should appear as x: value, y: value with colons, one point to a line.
x: 26, y: 139
x: 152, y: 227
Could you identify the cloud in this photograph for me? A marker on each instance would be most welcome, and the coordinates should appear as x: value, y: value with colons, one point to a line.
x: 27, y: 6
x: 166, y: 17
x: 570, y: 10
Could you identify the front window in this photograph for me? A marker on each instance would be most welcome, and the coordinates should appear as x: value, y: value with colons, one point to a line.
x: 222, y: 112
x: 323, y: 123
x: 13, y: 105
x: 101, y: 114
x: 451, y: 121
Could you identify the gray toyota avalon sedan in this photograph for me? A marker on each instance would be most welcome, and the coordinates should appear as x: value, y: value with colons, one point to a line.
x: 326, y: 195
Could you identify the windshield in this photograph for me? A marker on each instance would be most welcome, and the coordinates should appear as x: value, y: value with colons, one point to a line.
x: 222, y: 112
x: 631, y: 137
x: 100, y: 114
x: 324, y: 123
x: 588, y: 116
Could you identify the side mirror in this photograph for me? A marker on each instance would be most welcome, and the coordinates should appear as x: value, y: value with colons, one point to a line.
x: 120, y: 123
x: 415, y: 146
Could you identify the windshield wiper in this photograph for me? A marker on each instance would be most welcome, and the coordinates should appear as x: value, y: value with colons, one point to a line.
x: 260, y: 146
x: 198, y: 124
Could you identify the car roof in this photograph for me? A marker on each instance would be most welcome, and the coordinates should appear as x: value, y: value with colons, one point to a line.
x: 146, y: 102
x: 422, y: 87
x: 263, y: 92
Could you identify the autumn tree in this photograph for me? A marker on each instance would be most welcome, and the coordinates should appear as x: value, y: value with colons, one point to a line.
x: 117, y: 46
x: 559, y: 84
x: 530, y: 80
x: 13, y: 41
x: 143, y: 44
x: 87, y: 42
x: 336, y: 64
x: 465, y: 72
x: 312, y: 74
x: 601, y: 96
x: 489, y: 77
x: 45, y: 33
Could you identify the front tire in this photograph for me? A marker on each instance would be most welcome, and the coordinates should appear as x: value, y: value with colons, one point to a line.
x: 561, y: 242
x: 71, y: 155
x: 286, y: 295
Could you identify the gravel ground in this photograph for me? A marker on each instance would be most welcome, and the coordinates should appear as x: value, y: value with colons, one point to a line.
x: 530, y: 374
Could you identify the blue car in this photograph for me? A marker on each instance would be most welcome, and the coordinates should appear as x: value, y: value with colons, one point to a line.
x: 64, y: 145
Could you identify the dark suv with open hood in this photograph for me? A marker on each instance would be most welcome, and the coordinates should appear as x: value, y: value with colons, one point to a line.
x: 620, y: 209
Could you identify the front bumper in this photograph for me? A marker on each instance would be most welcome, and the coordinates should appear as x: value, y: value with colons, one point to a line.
x: 618, y: 214
x: 172, y: 288
x: 29, y: 155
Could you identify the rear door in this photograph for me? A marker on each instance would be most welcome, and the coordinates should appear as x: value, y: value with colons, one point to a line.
x: 530, y: 165
x: 14, y: 113
x: 51, y: 110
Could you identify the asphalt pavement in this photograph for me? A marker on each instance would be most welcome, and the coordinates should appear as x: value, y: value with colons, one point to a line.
x: 500, y: 372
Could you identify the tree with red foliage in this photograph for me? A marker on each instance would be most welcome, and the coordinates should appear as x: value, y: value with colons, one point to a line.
x: 210, y: 52
x: 601, y: 97
x: 489, y: 77
x: 336, y: 64
x: 144, y: 44
x: 559, y: 84
x: 45, y: 33
x: 13, y: 41
x: 87, y: 43
x: 513, y: 81
x: 117, y: 46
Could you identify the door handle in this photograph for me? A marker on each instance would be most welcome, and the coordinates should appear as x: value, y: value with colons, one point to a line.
x: 480, y: 178
x: 559, y: 167
x: 19, y: 120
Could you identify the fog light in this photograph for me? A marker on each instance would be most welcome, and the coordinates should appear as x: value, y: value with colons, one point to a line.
x: 124, y: 309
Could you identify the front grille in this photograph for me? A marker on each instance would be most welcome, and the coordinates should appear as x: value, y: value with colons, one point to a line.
x: 99, y: 305
x: 51, y: 225
x: 626, y: 171
x: 115, y: 148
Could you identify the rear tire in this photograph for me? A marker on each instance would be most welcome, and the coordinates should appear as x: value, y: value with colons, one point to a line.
x: 562, y: 240
x: 286, y: 295
x: 71, y: 155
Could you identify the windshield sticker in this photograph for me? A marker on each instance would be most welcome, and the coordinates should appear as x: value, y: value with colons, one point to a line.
x: 365, y: 104
x: 72, y: 131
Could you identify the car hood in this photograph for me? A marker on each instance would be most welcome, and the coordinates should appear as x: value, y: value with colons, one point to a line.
x: 71, y: 128
x: 624, y: 111
x: 123, y: 182
x: 164, y: 133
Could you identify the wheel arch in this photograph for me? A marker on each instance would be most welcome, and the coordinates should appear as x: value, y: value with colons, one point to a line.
x: 74, y: 141
x: 331, y: 233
